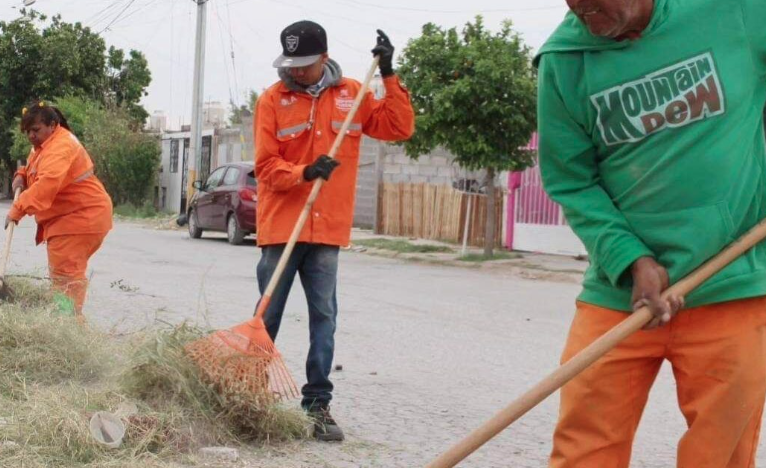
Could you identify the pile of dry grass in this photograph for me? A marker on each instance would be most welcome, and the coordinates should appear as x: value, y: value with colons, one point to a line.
x: 161, y: 375
x: 54, y: 375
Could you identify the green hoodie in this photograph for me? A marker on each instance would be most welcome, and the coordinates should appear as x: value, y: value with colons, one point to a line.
x: 655, y: 147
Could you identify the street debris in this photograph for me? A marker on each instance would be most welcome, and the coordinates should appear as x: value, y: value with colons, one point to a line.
x: 73, y: 396
x: 220, y: 453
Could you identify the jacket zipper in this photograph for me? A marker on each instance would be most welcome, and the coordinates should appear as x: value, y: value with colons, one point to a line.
x: 311, y: 114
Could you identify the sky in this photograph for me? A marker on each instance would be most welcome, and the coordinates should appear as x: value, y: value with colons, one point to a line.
x: 242, y: 36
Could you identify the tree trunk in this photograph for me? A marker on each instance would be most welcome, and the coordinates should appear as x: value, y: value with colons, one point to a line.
x: 489, y: 233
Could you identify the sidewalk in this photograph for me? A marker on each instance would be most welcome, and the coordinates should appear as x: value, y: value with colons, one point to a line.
x: 525, y: 264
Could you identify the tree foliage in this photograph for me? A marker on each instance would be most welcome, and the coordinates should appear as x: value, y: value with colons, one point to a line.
x: 237, y: 113
x: 48, y: 59
x: 475, y: 94
x: 126, y: 161
x: 128, y: 79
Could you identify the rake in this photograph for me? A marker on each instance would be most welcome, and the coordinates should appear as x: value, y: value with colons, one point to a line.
x: 244, y: 359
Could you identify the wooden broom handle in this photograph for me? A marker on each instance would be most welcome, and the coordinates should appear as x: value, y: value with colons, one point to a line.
x: 8, y: 239
x: 264, y: 303
x: 592, y: 353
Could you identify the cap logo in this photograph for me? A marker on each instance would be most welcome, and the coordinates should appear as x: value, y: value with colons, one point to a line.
x: 292, y: 43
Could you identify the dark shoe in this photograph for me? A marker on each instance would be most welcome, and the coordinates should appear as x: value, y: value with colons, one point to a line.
x: 325, y: 427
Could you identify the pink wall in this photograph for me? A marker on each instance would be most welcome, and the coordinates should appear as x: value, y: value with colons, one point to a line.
x: 527, y: 201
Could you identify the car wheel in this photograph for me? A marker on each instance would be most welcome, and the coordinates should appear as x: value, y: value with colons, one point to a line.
x: 194, y: 230
x: 233, y: 232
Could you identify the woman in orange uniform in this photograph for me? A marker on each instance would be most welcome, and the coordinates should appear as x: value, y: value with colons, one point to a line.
x: 71, y: 206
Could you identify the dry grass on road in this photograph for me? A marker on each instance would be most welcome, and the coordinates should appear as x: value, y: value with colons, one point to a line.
x: 54, y: 375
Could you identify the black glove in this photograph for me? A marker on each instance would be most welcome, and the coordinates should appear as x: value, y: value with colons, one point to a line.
x: 384, y: 50
x: 322, y: 167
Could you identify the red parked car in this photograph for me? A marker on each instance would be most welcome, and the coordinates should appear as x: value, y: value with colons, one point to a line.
x: 225, y: 202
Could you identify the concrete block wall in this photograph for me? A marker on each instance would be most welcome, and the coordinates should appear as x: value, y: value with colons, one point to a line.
x: 380, y: 162
x: 367, y: 184
x: 435, y: 168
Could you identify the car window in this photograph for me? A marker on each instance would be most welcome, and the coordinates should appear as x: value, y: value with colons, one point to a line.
x: 251, y: 179
x: 215, y: 178
x: 231, y: 177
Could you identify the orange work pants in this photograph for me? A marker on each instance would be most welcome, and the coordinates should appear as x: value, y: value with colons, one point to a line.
x: 718, y: 354
x: 68, y: 257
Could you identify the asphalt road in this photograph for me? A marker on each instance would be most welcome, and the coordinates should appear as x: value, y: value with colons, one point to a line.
x: 428, y: 352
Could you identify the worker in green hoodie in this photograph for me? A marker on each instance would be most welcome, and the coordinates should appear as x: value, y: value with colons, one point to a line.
x: 652, y: 140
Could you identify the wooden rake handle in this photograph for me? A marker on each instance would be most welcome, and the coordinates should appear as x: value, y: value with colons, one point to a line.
x: 285, y: 257
x: 592, y: 353
x: 7, y: 245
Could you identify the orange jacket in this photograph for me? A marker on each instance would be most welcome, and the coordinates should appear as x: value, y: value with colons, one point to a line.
x: 292, y: 129
x: 63, y: 193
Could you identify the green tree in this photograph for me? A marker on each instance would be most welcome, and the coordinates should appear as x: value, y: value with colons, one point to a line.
x: 60, y: 59
x: 252, y: 100
x: 475, y: 94
x: 127, y: 82
x: 126, y: 161
x: 50, y: 59
x: 243, y: 110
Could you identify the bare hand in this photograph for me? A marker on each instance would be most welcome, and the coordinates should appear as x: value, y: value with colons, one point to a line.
x: 650, y: 279
x: 8, y: 222
x: 19, y: 183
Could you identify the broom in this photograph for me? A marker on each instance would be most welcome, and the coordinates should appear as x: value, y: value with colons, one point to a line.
x: 244, y: 359
x: 593, y: 352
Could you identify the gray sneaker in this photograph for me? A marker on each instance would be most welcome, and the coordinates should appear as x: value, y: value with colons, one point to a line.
x: 325, y: 427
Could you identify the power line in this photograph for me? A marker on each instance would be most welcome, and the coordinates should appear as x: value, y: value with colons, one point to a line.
x: 142, y: 7
x: 231, y: 47
x: 431, y: 10
x: 428, y: 10
x: 223, y: 51
x: 355, y: 21
x: 141, y: 47
x: 155, y: 20
x: 355, y: 49
x: 118, y: 16
x: 102, y: 14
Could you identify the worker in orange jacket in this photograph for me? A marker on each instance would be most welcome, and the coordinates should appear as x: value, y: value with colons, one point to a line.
x: 297, y: 120
x: 71, y: 206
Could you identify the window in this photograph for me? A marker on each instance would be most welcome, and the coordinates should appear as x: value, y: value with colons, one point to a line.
x: 215, y: 179
x: 164, y: 202
x: 232, y: 176
x: 173, y: 156
x: 207, y: 143
x: 184, y: 174
x: 251, y: 179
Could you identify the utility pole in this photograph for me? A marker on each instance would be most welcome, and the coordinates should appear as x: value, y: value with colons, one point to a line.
x: 195, y: 142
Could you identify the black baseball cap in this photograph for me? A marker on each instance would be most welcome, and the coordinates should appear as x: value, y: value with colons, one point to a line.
x: 303, y: 43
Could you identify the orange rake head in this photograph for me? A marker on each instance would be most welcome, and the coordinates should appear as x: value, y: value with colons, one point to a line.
x: 244, y: 360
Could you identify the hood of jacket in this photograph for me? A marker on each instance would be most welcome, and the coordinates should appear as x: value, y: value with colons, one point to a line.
x: 573, y: 36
